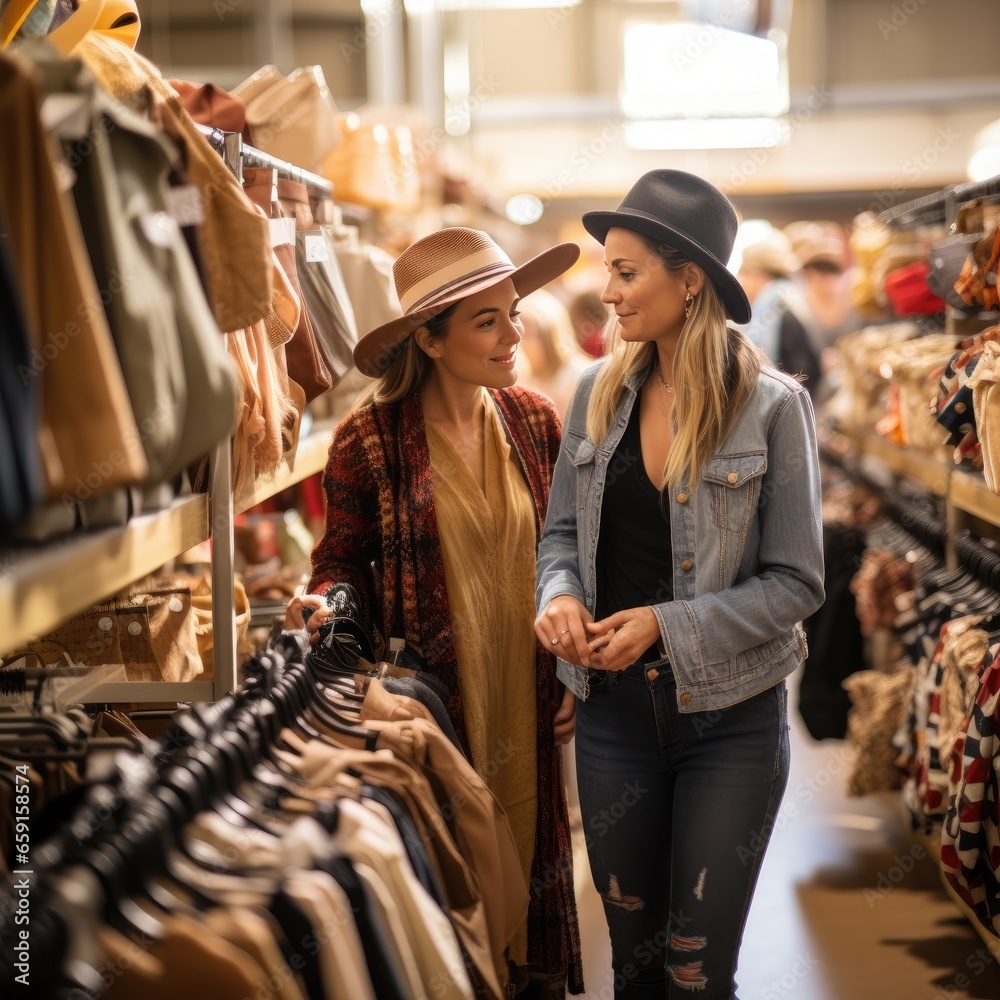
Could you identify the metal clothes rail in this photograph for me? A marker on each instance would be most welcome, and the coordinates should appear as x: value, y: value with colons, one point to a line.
x: 940, y: 206
x: 237, y: 154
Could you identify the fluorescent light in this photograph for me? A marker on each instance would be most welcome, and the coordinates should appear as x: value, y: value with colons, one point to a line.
x: 686, y: 70
x: 985, y: 164
x: 524, y: 209
x: 985, y: 160
x: 488, y: 4
x: 707, y: 133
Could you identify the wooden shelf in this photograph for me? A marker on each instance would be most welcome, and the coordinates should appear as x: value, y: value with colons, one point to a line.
x: 902, y: 462
x: 970, y: 494
x: 40, y: 588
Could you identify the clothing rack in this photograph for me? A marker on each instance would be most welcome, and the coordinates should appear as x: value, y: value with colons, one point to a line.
x: 238, y: 154
x: 122, y: 822
x: 940, y: 206
x: 979, y: 560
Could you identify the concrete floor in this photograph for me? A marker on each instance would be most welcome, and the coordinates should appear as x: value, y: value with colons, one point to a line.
x: 849, y: 905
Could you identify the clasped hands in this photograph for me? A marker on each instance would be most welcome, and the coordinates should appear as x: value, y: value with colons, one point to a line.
x: 567, y: 628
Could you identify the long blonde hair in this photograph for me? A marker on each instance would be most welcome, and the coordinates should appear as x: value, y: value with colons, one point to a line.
x: 715, y: 370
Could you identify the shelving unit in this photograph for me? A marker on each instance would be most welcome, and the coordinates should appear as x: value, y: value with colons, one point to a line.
x: 963, y: 494
x: 42, y: 587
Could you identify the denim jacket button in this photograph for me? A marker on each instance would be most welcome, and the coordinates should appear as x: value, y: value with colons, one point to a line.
x: 682, y: 498
x: 687, y: 564
x: 733, y: 477
x: 653, y: 673
x: 686, y: 698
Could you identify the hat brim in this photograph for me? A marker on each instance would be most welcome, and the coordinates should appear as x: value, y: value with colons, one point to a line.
x: 734, y: 299
x: 378, y: 349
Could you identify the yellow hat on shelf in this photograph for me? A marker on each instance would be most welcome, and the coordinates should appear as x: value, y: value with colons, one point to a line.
x: 118, y: 19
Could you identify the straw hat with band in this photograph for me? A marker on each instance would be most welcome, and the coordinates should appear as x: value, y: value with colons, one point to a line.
x: 443, y: 268
x: 686, y: 213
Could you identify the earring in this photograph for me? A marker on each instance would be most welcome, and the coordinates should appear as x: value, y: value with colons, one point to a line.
x: 688, y: 305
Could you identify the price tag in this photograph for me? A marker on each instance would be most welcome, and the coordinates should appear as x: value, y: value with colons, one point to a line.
x: 282, y: 231
x: 160, y: 229
x: 185, y: 205
x: 65, y: 116
x: 316, y: 248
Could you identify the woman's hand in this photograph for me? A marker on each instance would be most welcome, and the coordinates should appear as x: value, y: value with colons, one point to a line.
x: 564, y: 721
x: 561, y: 629
x: 295, y: 619
x: 620, y: 639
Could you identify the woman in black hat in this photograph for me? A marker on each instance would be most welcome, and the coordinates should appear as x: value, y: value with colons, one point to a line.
x: 681, y: 550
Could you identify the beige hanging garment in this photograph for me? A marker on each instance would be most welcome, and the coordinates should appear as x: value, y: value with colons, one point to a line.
x: 233, y: 241
x: 488, y: 547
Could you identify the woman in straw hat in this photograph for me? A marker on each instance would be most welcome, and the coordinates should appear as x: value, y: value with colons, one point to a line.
x: 681, y: 549
x: 436, y: 486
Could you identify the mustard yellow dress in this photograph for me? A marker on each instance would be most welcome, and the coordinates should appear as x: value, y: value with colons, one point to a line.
x: 488, y: 546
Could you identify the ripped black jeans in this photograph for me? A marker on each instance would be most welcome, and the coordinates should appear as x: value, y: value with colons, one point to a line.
x: 677, y: 811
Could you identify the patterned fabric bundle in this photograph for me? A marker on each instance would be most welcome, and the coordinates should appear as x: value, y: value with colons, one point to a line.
x: 970, y: 834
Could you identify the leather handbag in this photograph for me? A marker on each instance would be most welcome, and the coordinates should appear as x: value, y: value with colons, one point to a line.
x: 947, y: 258
x: 201, y: 601
x: 909, y: 293
x: 294, y: 118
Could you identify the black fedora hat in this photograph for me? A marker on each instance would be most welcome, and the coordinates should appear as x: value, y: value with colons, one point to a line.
x: 688, y: 214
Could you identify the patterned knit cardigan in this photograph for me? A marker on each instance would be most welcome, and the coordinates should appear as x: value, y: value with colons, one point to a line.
x: 382, y: 537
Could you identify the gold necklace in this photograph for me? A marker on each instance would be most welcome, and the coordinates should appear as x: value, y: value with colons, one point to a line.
x: 666, y: 385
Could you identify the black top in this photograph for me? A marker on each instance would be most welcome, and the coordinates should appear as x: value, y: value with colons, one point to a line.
x: 634, y: 558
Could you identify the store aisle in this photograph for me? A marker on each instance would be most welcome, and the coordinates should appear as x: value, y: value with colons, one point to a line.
x: 849, y: 907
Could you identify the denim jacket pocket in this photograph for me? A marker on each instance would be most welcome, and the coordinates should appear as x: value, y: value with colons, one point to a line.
x: 735, y: 487
x: 583, y: 452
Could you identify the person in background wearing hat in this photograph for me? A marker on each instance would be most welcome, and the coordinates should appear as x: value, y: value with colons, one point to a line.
x: 436, y: 486
x: 824, y: 280
x: 681, y: 550
x: 765, y: 273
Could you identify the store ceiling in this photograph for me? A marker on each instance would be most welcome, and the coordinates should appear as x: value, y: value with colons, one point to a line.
x: 886, y: 98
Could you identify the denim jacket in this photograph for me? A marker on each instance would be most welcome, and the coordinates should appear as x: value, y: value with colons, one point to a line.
x: 747, y: 544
